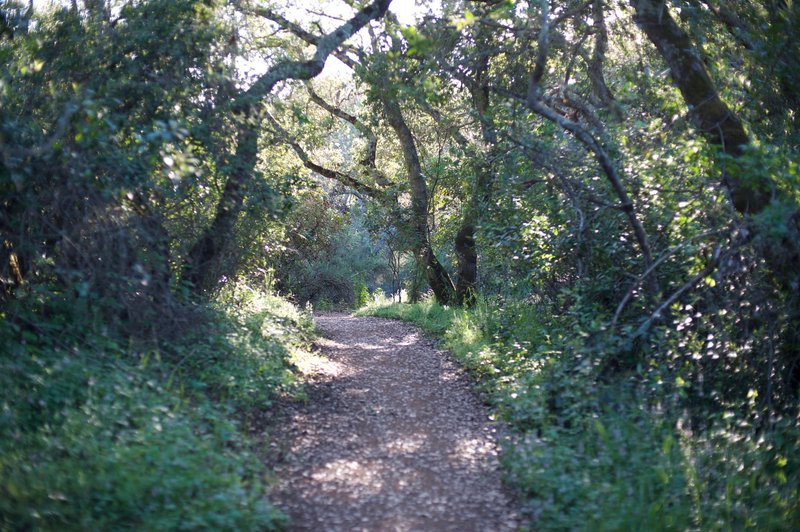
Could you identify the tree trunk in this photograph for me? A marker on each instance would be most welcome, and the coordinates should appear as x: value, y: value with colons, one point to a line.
x: 717, y: 123
x: 204, y: 261
x: 595, y: 66
x: 438, y: 278
x: 465, y: 246
x: 467, y: 256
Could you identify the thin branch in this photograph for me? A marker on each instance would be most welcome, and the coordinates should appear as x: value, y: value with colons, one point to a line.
x: 303, y: 34
x: 576, y: 50
x: 576, y: 102
x: 664, y: 256
x: 439, y: 118
x: 570, y: 13
x: 368, y: 163
x: 732, y: 22
x: 336, y: 175
x: 372, y: 139
x: 691, y: 283
x: 603, y: 159
x: 533, y: 101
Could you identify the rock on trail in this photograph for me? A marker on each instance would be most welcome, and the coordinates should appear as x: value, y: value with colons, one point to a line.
x: 393, y: 438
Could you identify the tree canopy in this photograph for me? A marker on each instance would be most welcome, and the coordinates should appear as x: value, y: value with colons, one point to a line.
x: 611, y: 189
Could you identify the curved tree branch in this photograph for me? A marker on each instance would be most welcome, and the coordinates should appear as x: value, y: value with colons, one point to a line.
x: 302, y: 33
x: 369, y: 135
x: 326, y: 45
x: 533, y: 101
x: 330, y: 173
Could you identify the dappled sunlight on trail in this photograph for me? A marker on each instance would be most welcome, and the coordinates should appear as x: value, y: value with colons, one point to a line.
x: 392, y: 439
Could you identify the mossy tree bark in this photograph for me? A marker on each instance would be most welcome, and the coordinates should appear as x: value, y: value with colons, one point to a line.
x: 715, y: 120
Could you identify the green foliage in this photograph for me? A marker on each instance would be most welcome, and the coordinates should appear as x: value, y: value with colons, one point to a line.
x: 108, y: 154
x: 100, y: 434
x: 123, y: 400
x: 360, y: 293
x: 330, y: 258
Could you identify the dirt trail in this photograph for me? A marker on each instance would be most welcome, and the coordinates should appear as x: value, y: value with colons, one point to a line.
x: 392, y: 439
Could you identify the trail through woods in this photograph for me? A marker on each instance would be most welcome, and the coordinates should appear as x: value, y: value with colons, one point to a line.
x: 393, y: 438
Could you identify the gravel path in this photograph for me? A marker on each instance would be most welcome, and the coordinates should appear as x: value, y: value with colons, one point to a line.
x: 393, y: 438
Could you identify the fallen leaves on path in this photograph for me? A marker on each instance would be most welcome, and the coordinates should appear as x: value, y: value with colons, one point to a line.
x: 393, y: 438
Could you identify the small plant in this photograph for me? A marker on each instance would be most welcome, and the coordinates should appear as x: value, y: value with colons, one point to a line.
x: 325, y: 304
x: 360, y: 292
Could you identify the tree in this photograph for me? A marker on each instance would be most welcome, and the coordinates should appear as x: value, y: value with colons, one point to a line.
x: 101, y: 135
x: 388, y: 101
x: 248, y: 106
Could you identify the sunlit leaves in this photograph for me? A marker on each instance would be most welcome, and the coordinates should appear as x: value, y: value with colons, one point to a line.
x: 468, y: 19
x: 418, y: 45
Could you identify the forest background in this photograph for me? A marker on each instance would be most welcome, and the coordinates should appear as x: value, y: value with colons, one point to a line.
x: 594, y: 204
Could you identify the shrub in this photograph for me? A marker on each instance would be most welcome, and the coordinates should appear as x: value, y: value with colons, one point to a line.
x: 97, y: 433
x: 361, y: 293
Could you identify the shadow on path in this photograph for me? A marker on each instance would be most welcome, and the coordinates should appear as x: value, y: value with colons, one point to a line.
x: 392, y: 439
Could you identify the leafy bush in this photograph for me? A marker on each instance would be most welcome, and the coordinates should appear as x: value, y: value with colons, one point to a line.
x: 97, y: 434
x: 331, y: 259
x: 361, y: 293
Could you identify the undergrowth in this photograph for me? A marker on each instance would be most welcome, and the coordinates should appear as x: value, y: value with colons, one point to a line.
x: 592, y: 453
x: 96, y: 433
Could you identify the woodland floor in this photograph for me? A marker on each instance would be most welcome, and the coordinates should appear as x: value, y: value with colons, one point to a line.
x: 392, y: 438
